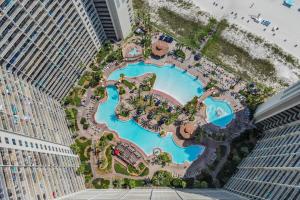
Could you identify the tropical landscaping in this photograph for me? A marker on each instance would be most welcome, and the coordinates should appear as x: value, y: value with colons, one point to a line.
x: 194, y: 49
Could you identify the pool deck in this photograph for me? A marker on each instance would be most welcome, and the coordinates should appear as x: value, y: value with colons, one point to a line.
x: 201, y: 117
x: 166, y: 96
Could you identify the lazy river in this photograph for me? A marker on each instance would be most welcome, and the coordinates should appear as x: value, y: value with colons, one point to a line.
x: 175, y: 82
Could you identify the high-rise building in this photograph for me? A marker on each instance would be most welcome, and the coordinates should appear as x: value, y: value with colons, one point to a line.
x: 48, y: 43
x: 44, y: 48
x: 116, y: 17
x: 155, y: 194
x: 35, y: 159
x: 272, y: 169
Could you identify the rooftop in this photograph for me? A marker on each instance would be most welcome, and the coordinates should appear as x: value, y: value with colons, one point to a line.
x: 141, y: 194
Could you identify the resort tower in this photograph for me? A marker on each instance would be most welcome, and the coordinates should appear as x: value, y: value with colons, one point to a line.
x: 48, y: 43
x: 35, y: 159
x: 116, y: 17
x: 272, y: 169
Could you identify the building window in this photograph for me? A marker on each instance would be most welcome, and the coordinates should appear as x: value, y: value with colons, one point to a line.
x: 36, y: 145
x: 26, y: 144
x: 6, y: 140
x: 31, y: 144
x: 20, y: 143
x: 14, y: 142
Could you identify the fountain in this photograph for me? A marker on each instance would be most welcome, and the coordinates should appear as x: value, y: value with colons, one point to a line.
x: 220, y: 112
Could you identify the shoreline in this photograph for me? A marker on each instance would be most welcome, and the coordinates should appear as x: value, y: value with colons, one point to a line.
x: 245, y: 9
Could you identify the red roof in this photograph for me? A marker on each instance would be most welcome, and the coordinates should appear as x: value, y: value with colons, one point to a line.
x: 116, y: 152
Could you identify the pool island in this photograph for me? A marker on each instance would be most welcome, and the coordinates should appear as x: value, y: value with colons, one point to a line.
x: 171, y: 81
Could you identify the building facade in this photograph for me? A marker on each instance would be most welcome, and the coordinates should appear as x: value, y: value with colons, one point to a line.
x: 48, y: 43
x: 35, y: 159
x: 116, y: 17
x: 272, y: 169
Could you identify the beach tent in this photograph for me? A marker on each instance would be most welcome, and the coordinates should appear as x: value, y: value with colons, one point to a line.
x: 289, y: 3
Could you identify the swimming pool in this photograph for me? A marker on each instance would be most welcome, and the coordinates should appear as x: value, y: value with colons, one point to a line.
x: 169, y: 79
x: 174, y: 82
x: 218, y: 112
x: 145, y: 139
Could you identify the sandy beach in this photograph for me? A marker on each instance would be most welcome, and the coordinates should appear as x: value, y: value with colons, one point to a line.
x: 287, y: 36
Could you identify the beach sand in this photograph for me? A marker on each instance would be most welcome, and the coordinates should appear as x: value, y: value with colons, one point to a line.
x: 286, y: 19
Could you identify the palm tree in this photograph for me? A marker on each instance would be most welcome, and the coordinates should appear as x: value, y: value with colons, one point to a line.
x: 122, y: 76
x: 179, y: 45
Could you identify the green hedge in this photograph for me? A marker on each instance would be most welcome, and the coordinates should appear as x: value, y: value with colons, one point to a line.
x: 121, y: 169
x: 100, y: 183
x: 145, y: 172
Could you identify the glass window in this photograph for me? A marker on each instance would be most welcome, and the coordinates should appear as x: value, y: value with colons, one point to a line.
x: 14, y: 141
x: 6, y: 140
x: 20, y: 143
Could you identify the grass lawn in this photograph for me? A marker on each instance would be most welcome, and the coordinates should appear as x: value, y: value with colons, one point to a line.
x: 217, y: 47
x: 188, y: 31
x: 100, y: 183
x: 121, y: 169
x: 71, y: 115
x: 74, y: 98
x: 82, y: 146
x: 108, y: 157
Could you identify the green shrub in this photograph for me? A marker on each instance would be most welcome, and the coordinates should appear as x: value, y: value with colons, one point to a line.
x: 121, y: 169
x: 100, y: 92
x: 108, y: 157
x: 122, y: 91
x: 82, y: 120
x: 139, y: 183
x: 200, y: 184
x: 81, y: 146
x: 128, y: 84
x: 71, y: 115
x: 118, y: 183
x: 84, y: 168
x: 141, y: 166
x: 164, y: 158
x: 179, y: 53
x: 130, y: 183
x: 162, y: 178
x: 85, y: 126
x: 178, y: 183
x: 110, y: 136
x: 88, y: 178
x: 145, y: 172
x: 100, y: 183
x: 132, y: 170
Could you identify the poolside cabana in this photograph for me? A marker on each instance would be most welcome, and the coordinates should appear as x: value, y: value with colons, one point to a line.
x: 132, y: 52
x: 160, y: 48
x: 187, y: 130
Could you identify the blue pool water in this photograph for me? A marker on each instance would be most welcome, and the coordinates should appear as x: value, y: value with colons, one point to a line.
x: 169, y: 79
x: 176, y: 83
x: 145, y: 139
x: 218, y: 112
x: 133, y: 52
